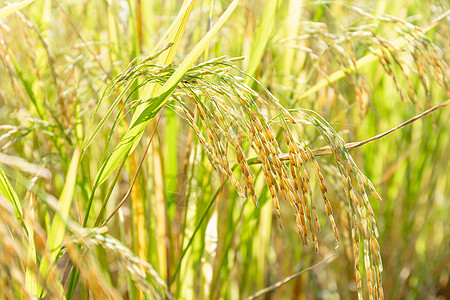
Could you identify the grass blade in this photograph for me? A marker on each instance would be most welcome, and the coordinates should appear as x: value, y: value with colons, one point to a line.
x: 262, y: 37
x: 58, y: 226
x: 8, y: 192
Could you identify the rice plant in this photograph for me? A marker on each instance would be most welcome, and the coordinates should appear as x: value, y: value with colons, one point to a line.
x: 233, y: 149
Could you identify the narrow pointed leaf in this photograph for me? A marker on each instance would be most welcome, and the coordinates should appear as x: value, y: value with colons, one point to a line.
x: 8, y: 192
x: 58, y: 226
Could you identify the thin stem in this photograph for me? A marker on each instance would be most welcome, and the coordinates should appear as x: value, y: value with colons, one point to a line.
x: 211, y: 202
x: 135, y: 175
x: 289, y: 278
x: 348, y: 146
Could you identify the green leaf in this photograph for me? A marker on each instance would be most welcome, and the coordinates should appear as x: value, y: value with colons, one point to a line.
x: 58, y: 227
x: 263, y: 34
x: 8, y: 192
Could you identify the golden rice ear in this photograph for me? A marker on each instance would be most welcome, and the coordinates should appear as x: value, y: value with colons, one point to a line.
x: 230, y: 120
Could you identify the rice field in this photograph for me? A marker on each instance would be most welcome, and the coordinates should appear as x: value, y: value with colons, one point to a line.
x: 276, y: 149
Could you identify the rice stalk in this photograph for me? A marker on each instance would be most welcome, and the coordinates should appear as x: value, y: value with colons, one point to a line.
x: 411, y: 46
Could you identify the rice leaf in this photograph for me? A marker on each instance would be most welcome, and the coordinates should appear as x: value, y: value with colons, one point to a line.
x: 263, y: 34
x: 58, y: 227
x: 8, y: 192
